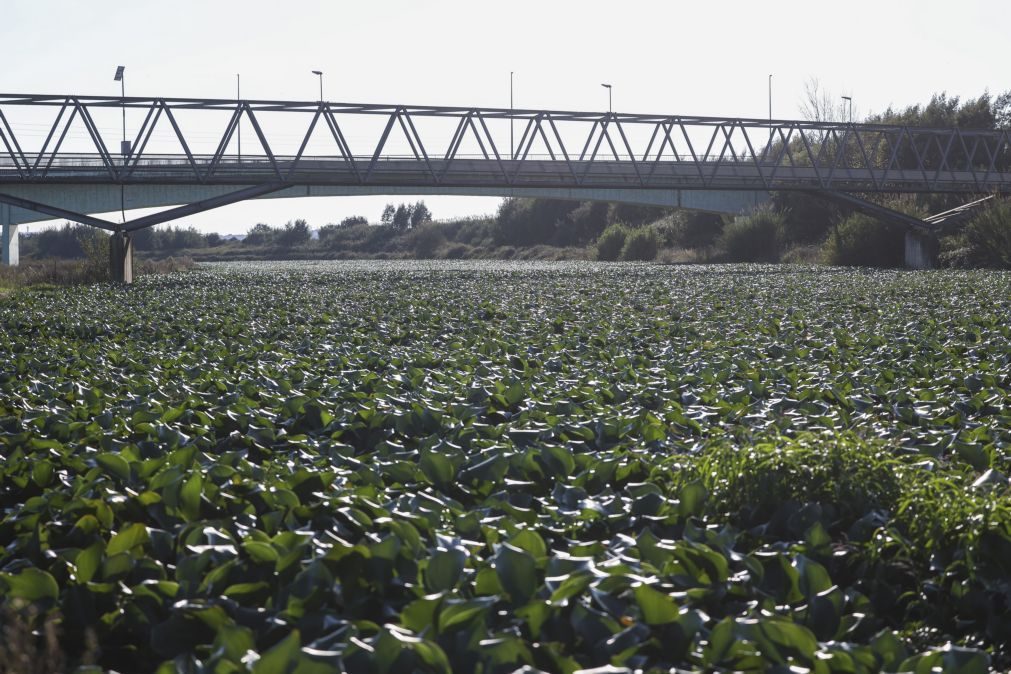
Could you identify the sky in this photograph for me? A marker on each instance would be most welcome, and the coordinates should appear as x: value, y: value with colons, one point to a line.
x: 669, y: 57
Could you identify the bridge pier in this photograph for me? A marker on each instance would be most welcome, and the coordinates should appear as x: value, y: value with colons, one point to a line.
x: 10, y: 254
x: 121, y: 258
x: 921, y: 250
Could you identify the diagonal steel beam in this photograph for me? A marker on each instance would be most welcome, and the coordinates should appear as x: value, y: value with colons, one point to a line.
x: 15, y: 152
x: 876, y: 210
x: 201, y: 178
x: 201, y: 206
x: 57, y: 212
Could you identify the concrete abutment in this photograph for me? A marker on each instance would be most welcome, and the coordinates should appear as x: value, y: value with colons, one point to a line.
x: 11, y: 252
x: 121, y: 257
x: 921, y: 250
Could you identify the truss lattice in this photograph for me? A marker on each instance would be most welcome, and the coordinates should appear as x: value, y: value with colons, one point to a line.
x: 329, y: 144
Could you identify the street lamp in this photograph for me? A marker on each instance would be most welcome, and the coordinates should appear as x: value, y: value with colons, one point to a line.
x: 319, y: 73
x: 850, y: 100
x: 124, y: 147
x: 771, y: 133
x: 770, y: 101
x: 608, y: 87
x: 512, y: 149
x: 120, y: 77
x: 238, y: 101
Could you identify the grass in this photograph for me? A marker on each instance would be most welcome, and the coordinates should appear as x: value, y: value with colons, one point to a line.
x: 56, y: 272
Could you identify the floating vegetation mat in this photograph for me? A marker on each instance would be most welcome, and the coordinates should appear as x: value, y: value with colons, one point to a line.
x: 376, y: 467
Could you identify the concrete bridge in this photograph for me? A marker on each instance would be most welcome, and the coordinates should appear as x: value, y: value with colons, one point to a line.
x: 717, y: 164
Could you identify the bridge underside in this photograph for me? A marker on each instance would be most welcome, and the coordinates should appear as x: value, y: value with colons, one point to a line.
x: 89, y: 199
x: 20, y: 204
x: 25, y: 203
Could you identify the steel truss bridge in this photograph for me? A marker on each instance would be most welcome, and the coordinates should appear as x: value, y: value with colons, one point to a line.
x: 50, y: 168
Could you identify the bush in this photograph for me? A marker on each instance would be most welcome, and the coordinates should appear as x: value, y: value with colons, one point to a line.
x: 259, y: 235
x: 611, y: 242
x: 755, y: 238
x: 641, y: 244
x: 426, y: 239
x: 696, y: 229
x: 295, y: 233
x: 988, y: 236
x: 458, y: 251
x: 95, y: 243
x: 528, y: 222
x: 635, y: 214
x: 806, y: 218
x: 863, y: 241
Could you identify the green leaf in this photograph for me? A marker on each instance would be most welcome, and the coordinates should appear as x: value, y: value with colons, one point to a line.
x: 32, y: 584
x: 530, y: 541
x: 692, y: 499
x: 517, y: 572
x: 438, y: 469
x: 282, y: 657
x: 88, y: 562
x: 456, y: 612
x: 444, y: 569
x: 261, y: 553
x: 127, y: 539
x: 657, y: 608
x: 189, y: 497
x: 235, y: 641
x: 114, y: 464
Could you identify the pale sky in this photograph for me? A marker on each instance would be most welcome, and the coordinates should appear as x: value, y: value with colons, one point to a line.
x: 690, y: 58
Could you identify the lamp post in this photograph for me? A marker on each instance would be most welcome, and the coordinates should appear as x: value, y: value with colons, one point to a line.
x: 319, y: 74
x: 512, y: 149
x: 608, y: 87
x: 849, y: 99
x: 770, y: 112
x: 124, y: 148
x: 121, y: 78
x: 238, y: 101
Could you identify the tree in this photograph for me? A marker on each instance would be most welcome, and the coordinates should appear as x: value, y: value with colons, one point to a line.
x: 355, y: 220
x: 420, y: 214
x: 402, y: 218
x: 388, y: 213
x: 295, y: 233
x: 259, y: 235
x: 820, y: 105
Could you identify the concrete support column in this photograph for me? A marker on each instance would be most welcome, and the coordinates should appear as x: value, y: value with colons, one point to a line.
x: 921, y: 250
x: 121, y: 257
x: 11, y: 256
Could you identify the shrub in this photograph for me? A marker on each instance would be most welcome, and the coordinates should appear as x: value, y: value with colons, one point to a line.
x: 641, y: 244
x: 696, y: 229
x: 755, y: 238
x: 295, y: 233
x: 988, y: 236
x: 259, y: 235
x: 426, y: 239
x: 635, y: 214
x: 95, y: 244
x: 860, y: 240
x: 458, y: 251
x: 611, y: 242
x: 806, y: 218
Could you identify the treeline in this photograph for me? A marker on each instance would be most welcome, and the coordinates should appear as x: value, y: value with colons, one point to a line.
x: 70, y: 241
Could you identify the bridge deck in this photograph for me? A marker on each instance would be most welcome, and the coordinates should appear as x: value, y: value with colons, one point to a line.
x: 530, y: 172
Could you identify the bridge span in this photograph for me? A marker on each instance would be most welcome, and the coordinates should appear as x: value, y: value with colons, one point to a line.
x: 189, y: 151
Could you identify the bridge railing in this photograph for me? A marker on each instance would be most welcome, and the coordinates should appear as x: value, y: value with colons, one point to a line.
x: 490, y: 146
